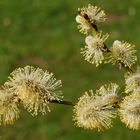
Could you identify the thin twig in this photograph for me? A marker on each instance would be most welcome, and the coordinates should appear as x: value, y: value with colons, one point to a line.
x: 62, y: 102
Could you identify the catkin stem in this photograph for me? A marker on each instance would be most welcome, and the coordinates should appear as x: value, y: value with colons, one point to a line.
x: 62, y: 102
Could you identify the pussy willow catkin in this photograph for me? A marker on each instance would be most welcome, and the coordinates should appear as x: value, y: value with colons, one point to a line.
x: 32, y: 87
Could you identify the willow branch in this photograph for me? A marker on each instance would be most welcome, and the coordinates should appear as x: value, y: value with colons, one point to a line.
x: 62, y: 102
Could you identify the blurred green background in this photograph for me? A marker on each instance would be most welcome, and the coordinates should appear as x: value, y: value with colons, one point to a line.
x: 44, y: 33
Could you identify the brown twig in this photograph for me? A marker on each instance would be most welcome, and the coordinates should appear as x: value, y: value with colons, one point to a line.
x: 62, y: 102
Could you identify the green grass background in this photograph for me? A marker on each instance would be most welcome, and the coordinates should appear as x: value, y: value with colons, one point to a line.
x: 43, y: 33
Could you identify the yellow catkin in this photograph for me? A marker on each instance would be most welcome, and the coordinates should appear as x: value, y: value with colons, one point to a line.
x: 130, y: 111
x: 95, y: 111
x: 34, y: 87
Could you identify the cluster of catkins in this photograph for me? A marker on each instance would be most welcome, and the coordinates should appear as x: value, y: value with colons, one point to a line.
x: 96, y: 110
x: 35, y: 88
